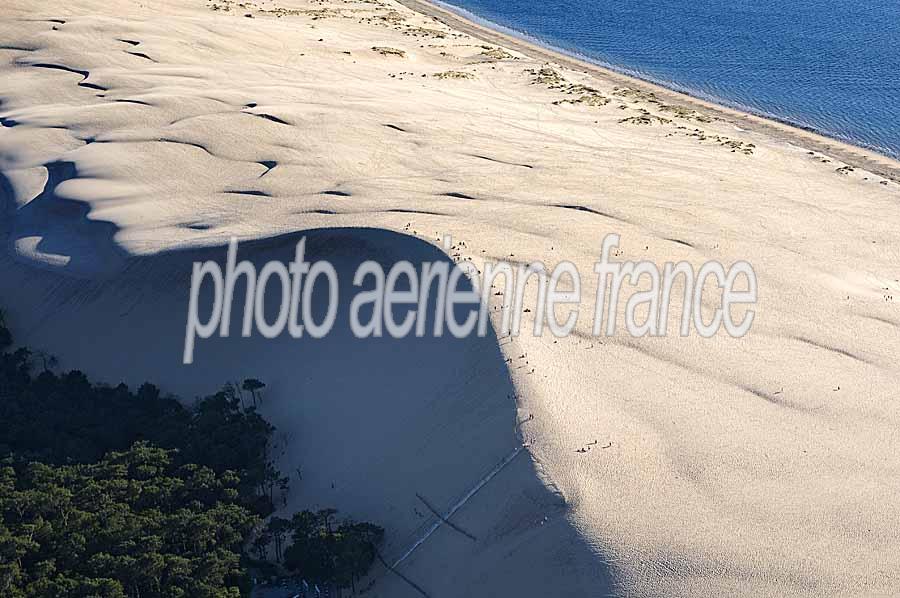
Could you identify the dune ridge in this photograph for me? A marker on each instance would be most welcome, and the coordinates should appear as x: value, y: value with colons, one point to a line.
x: 139, y: 138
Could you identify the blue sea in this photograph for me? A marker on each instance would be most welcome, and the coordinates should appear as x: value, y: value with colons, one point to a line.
x: 828, y: 65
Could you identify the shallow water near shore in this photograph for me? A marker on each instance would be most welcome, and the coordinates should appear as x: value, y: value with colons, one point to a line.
x: 826, y: 65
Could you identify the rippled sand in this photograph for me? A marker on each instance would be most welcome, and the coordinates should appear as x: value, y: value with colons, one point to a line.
x: 138, y: 138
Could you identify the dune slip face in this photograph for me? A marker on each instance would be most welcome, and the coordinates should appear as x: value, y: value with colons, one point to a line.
x: 138, y: 138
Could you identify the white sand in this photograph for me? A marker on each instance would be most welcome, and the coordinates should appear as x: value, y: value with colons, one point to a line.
x: 766, y: 466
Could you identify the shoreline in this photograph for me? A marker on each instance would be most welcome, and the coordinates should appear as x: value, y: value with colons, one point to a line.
x: 854, y: 155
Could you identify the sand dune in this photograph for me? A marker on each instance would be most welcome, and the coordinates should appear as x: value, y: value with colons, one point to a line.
x: 139, y: 138
x: 383, y: 429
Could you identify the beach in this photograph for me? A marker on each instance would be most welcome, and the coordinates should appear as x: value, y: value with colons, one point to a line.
x: 139, y: 138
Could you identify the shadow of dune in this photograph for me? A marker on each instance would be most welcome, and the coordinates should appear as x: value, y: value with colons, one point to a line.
x: 56, y: 232
x: 385, y: 430
x: 85, y: 75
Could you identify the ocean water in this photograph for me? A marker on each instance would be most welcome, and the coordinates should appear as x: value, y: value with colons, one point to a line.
x: 829, y: 65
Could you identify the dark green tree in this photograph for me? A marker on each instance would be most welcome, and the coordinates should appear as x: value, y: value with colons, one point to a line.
x: 321, y: 553
x: 254, y: 386
x: 110, y: 493
x: 133, y: 524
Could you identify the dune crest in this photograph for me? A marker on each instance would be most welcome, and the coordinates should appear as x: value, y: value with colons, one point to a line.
x: 138, y: 139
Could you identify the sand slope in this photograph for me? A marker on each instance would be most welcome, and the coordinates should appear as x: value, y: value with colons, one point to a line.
x: 135, y: 140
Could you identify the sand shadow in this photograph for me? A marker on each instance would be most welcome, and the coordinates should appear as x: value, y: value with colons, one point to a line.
x: 55, y: 232
x: 382, y: 429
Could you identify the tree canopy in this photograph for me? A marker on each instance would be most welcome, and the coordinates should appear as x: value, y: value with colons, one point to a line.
x: 132, y: 524
x: 113, y: 493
